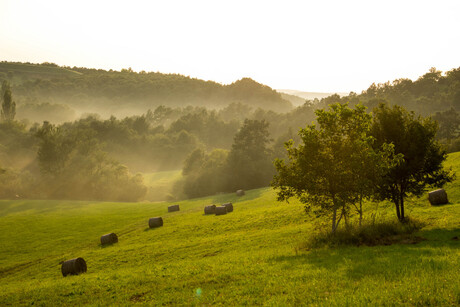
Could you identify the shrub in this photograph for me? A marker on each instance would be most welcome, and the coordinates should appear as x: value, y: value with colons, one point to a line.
x: 370, y: 234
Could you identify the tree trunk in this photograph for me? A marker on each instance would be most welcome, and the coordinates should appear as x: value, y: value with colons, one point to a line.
x: 398, y: 213
x: 402, y: 219
x: 345, y: 218
x: 334, y: 217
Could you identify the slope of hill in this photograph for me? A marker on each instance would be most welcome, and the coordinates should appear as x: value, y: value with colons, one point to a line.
x: 308, y: 95
x: 21, y: 72
x: 250, y: 256
x: 96, y: 90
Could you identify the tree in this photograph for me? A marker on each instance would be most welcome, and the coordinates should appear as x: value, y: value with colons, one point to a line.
x: 8, y: 105
x: 336, y: 165
x: 74, y: 166
x: 249, y: 163
x: 449, y: 122
x: 421, y: 166
x: 204, y: 173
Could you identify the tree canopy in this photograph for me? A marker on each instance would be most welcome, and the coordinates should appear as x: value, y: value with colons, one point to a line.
x: 335, y: 166
x: 414, y: 138
x: 8, y: 111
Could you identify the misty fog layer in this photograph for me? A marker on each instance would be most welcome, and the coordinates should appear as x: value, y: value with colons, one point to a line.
x: 81, y: 133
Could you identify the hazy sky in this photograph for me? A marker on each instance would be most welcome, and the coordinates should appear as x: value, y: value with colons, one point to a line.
x: 305, y: 45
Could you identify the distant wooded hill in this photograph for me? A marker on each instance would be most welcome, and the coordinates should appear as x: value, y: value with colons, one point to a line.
x: 435, y: 91
x: 97, y: 90
x: 306, y: 95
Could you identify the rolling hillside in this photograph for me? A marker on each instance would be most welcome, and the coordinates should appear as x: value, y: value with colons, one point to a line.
x: 252, y: 256
x: 95, y: 90
x: 21, y: 72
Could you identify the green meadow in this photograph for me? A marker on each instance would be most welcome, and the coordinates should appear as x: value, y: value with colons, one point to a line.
x: 252, y: 256
x: 159, y: 185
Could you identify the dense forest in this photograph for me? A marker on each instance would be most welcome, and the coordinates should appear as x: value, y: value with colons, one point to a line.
x: 77, y: 133
x: 125, y: 92
x: 432, y: 92
x: 435, y: 94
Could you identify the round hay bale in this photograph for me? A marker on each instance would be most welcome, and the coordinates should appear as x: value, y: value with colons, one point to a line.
x: 109, y: 239
x: 73, y: 267
x: 173, y: 208
x: 210, y: 209
x: 438, y: 197
x: 229, y: 207
x: 221, y: 210
x: 240, y: 193
x: 155, y: 222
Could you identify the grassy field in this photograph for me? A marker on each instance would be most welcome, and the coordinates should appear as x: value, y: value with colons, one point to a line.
x: 251, y: 256
x: 160, y: 184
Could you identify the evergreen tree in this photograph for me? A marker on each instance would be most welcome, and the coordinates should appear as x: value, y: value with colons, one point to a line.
x: 8, y: 105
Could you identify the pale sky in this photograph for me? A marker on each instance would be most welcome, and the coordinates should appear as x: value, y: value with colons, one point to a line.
x: 322, y: 46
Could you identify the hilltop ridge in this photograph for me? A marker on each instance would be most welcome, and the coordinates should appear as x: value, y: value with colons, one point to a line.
x: 95, y: 89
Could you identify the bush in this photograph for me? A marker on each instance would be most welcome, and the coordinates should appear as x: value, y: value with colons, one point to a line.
x: 383, y: 233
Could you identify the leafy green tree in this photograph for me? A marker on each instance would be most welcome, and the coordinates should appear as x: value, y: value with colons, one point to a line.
x: 449, y: 122
x: 335, y: 167
x: 194, y: 162
x: 421, y: 166
x: 8, y: 105
x: 74, y: 166
x: 249, y: 163
x: 204, y: 173
x: 54, y: 149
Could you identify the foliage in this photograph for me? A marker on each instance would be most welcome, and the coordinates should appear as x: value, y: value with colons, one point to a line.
x: 8, y: 105
x: 83, y: 87
x: 370, y: 234
x: 246, y: 166
x: 17, y: 145
x: 249, y: 163
x: 449, y: 122
x: 414, y: 138
x: 40, y: 112
x: 15, y: 184
x: 75, y: 167
x: 204, y: 174
x: 430, y: 93
x: 206, y: 126
x: 336, y: 166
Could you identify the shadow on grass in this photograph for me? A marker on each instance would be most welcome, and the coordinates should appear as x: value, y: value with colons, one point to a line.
x: 441, y: 236
x: 389, y: 262
x: 107, y: 245
x: 151, y: 229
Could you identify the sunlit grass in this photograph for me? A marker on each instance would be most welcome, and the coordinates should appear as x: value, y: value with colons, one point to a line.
x: 248, y: 257
x: 160, y: 184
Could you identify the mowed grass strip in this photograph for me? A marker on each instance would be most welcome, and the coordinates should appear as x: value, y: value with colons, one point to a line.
x: 248, y: 257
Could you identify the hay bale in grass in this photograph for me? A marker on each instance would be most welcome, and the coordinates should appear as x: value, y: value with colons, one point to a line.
x: 240, y: 193
x: 210, y: 209
x: 438, y: 197
x: 109, y: 239
x: 155, y: 222
x: 173, y: 208
x: 73, y: 267
x: 229, y: 207
x: 221, y: 210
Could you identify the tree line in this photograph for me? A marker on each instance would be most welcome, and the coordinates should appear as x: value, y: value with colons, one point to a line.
x: 92, y: 157
x: 435, y: 94
x: 97, y: 89
x: 220, y: 150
